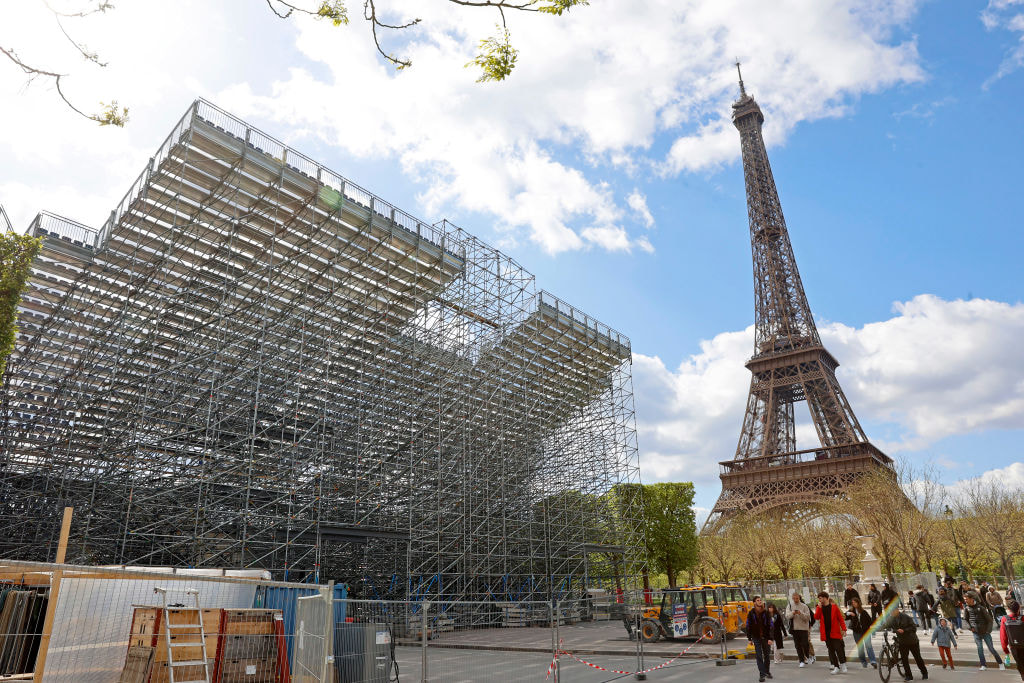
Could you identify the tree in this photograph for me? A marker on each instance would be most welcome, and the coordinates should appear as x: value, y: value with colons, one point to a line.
x: 997, y: 517
x: 845, y: 552
x: 783, y: 547
x: 814, y: 543
x: 16, y: 255
x: 720, y: 553
x: 669, y: 524
x: 496, y: 58
x: 911, y: 524
x: 753, y: 535
x: 872, y: 506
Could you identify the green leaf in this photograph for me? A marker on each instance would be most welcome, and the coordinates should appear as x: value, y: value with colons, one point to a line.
x: 334, y: 10
x: 497, y: 57
x: 110, y: 116
x: 558, y: 7
x: 16, y: 255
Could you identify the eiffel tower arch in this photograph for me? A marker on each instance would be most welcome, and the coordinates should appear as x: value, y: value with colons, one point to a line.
x: 789, y: 365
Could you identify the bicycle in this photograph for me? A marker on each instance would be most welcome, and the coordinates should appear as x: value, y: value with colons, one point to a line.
x: 889, y: 658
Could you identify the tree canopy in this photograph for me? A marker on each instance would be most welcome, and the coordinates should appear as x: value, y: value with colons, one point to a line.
x: 669, y: 524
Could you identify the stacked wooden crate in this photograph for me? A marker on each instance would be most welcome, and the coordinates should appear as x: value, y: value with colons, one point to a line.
x: 444, y: 625
x: 148, y: 629
x: 513, y: 615
x: 253, y: 648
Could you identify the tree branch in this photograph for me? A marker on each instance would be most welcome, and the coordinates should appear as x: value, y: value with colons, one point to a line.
x: 109, y: 117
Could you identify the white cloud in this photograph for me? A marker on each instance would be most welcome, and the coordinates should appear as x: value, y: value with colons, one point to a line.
x: 638, y: 203
x: 596, y: 96
x: 936, y: 369
x: 1006, y: 15
x: 592, y: 92
x: 1009, y: 478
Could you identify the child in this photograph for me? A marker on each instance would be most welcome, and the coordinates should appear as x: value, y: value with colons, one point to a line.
x: 944, y: 637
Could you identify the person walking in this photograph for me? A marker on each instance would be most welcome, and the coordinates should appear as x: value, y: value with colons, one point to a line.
x: 954, y: 596
x: 1011, y: 635
x: 995, y: 602
x: 906, y: 640
x: 944, y: 638
x: 799, y: 616
x: 759, y: 632
x: 979, y: 622
x: 923, y: 608
x: 833, y: 629
x: 874, y: 601
x: 778, y: 630
x: 861, y: 624
x: 946, y: 607
x: 887, y: 596
x: 911, y: 604
x: 849, y: 594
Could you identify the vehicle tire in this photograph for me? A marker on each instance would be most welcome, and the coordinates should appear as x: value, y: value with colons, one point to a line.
x: 710, y: 631
x: 650, y: 631
x: 885, y: 665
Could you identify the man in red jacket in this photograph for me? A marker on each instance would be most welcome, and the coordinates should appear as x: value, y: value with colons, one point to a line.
x: 833, y: 628
x: 1011, y: 635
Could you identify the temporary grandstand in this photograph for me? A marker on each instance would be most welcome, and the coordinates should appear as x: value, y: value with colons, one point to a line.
x: 257, y: 363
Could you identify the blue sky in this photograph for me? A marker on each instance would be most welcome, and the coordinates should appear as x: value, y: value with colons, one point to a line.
x: 894, y: 132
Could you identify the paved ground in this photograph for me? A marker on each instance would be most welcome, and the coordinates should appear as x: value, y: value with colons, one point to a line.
x: 451, y: 665
x: 523, y: 654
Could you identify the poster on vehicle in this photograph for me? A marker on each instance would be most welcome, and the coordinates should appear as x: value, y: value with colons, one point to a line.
x: 680, y: 625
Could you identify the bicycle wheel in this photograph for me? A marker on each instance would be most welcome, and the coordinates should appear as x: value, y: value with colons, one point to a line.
x: 885, y: 664
x: 899, y: 667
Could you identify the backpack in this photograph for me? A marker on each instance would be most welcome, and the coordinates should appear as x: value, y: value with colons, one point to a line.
x: 1014, y: 631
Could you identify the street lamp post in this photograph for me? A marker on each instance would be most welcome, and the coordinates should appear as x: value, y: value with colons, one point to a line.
x: 959, y: 560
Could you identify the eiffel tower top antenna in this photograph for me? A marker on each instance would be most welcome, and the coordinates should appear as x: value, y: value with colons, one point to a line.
x: 743, y: 91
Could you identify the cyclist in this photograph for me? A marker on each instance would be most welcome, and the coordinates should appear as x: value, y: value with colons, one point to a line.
x: 906, y: 639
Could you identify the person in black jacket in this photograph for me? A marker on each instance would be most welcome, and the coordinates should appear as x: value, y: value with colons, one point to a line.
x: 888, y: 595
x: 849, y: 595
x: 778, y: 629
x: 861, y: 625
x: 924, y: 609
x: 906, y: 639
x: 759, y: 632
x: 874, y: 601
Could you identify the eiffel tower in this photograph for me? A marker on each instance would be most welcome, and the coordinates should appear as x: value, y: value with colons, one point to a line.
x: 789, y: 364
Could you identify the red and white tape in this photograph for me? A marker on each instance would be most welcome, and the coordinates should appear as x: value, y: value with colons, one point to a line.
x: 554, y: 662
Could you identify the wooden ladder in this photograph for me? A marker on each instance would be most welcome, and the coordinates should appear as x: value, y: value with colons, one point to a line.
x: 184, y: 629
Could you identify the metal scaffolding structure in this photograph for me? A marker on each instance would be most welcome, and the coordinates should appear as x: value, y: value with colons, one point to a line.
x: 255, y: 362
